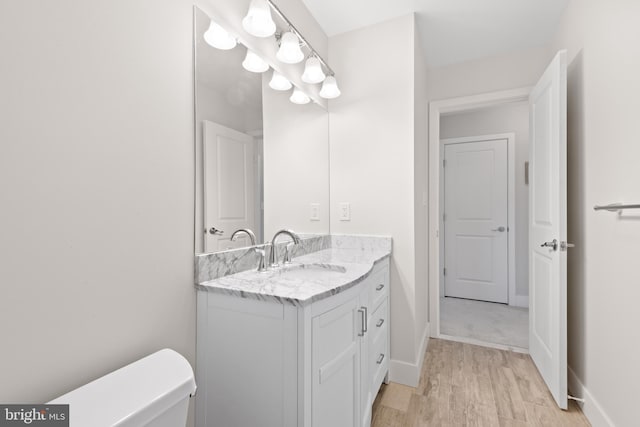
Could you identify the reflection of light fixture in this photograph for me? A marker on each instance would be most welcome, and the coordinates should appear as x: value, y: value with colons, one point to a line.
x: 299, y: 97
x: 254, y: 63
x: 290, y: 52
x: 258, y: 21
x: 279, y: 82
x: 313, y: 71
x: 330, y: 88
x: 218, y: 37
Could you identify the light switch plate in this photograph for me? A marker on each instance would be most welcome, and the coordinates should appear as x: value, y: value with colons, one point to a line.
x: 314, y: 212
x: 345, y: 211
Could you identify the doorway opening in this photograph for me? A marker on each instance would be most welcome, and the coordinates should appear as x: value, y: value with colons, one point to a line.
x: 483, y: 284
x: 547, y: 217
x: 482, y: 210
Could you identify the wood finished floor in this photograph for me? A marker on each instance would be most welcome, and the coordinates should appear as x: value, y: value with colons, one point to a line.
x: 467, y: 385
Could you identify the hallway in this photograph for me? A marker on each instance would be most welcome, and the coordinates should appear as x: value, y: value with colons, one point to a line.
x: 463, y: 384
x: 485, y: 321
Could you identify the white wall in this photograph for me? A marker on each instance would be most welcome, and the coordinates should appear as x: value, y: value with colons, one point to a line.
x: 511, y: 71
x: 296, y: 164
x: 97, y: 185
x: 96, y: 177
x: 421, y: 188
x: 513, y: 117
x: 372, y: 148
x: 213, y: 106
x: 603, y: 152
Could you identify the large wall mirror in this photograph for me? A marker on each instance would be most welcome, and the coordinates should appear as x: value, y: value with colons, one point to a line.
x: 262, y: 162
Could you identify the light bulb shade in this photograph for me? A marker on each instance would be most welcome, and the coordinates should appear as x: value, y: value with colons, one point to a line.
x: 299, y: 97
x: 279, y: 82
x: 258, y: 21
x: 313, y: 71
x: 254, y: 63
x: 290, y: 52
x: 219, y: 38
x: 330, y: 88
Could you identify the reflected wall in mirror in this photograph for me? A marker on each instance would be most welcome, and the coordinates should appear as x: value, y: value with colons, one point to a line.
x: 262, y: 162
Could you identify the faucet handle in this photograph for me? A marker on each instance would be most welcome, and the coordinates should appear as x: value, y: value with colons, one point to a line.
x: 287, y: 253
x: 262, y: 264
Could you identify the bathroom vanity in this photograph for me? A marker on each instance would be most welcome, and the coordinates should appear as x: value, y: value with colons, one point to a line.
x: 303, y: 345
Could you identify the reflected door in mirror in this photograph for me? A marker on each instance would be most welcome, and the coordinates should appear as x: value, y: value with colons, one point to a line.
x: 229, y: 172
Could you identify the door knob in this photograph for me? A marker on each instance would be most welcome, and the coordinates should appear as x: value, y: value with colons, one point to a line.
x: 500, y: 229
x: 552, y: 244
x: 215, y: 231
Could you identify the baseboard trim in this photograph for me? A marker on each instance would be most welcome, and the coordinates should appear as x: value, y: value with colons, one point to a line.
x: 591, y: 408
x: 521, y: 301
x: 409, y: 373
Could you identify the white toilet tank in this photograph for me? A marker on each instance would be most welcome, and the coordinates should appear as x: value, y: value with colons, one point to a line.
x: 153, y: 391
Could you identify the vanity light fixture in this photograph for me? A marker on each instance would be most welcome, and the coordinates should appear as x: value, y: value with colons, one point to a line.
x: 254, y: 63
x: 279, y: 82
x: 330, y: 88
x: 258, y: 21
x: 313, y: 71
x: 290, y: 52
x: 219, y: 38
x: 299, y: 97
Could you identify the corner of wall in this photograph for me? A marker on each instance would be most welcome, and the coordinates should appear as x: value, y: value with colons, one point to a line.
x: 409, y: 373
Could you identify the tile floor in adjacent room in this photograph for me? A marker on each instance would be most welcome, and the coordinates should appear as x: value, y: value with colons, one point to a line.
x: 467, y: 385
x: 485, y: 321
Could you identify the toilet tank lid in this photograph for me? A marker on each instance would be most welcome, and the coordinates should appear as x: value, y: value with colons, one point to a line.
x: 134, y: 393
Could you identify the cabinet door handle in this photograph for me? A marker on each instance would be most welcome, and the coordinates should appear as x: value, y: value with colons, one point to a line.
x: 362, y: 315
x: 380, y: 287
x: 380, y: 322
x: 380, y: 359
x: 365, y: 321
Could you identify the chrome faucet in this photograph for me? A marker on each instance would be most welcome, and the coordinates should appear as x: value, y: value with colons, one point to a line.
x: 261, y: 252
x: 246, y: 231
x: 287, y: 256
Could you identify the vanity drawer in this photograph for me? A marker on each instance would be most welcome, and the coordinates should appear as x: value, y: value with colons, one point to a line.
x: 379, y: 320
x: 379, y: 358
x: 379, y: 282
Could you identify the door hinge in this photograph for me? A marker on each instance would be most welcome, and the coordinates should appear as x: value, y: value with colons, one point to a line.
x: 444, y: 163
x: 444, y: 271
x: 444, y: 217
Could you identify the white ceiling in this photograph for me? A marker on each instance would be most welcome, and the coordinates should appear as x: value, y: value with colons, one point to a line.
x: 452, y: 31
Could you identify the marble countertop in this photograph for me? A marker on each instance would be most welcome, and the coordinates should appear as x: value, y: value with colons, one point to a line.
x: 344, y: 269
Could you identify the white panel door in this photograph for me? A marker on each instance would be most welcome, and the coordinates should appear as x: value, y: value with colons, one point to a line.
x: 476, y: 216
x: 229, y: 199
x: 548, y: 227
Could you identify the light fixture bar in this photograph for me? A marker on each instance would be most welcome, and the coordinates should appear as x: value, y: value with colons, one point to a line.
x: 301, y: 37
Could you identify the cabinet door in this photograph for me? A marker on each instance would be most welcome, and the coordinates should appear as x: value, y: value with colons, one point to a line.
x: 335, y: 362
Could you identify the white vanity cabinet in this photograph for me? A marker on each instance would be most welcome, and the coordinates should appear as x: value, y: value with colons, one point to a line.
x: 275, y: 364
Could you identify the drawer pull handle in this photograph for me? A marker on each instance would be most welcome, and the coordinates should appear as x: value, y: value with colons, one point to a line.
x: 379, y: 287
x: 380, y: 359
x: 380, y: 322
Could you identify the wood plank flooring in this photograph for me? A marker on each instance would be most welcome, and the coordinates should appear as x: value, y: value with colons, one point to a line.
x: 467, y: 385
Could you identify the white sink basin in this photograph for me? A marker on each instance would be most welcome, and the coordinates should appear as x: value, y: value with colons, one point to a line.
x: 311, y: 271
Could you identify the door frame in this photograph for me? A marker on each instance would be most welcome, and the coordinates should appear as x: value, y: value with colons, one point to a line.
x: 511, y: 206
x: 436, y: 108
